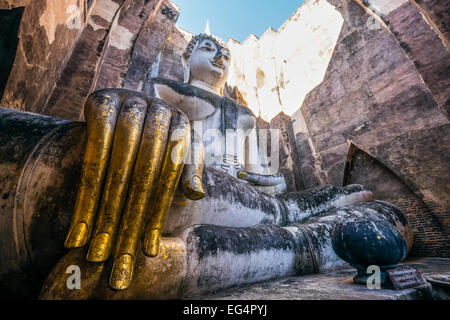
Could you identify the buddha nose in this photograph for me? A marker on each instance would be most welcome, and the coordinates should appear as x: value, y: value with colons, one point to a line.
x: 219, y: 58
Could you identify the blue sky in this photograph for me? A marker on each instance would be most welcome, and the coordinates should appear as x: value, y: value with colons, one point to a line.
x: 234, y: 18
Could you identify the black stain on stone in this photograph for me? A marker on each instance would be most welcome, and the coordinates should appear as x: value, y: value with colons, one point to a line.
x: 238, y: 192
x: 54, y: 205
x: 211, y: 240
x: 28, y: 288
x: 20, y: 132
x: 169, y: 13
x: 9, y: 28
x: 405, y: 46
x: 351, y: 41
x: 101, y: 45
x: 313, y: 199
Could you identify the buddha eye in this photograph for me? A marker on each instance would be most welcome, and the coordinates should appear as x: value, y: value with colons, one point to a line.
x: 207, y: 46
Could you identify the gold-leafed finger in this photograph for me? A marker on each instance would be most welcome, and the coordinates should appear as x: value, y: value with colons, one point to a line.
x: 143, y: 180
x: 125, y: 146
x: 193, y: 187
x: 172, y: 168
x: 101, y: 111
x: 123, y: 272
x: 193, y: 170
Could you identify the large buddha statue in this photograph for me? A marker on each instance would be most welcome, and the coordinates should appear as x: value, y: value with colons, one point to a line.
x: 177, y: 197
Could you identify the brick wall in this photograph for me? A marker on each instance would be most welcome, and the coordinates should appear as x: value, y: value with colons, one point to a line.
x: 429, y: 222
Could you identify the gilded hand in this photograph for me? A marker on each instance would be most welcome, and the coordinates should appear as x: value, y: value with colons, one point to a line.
x: 135, y: 154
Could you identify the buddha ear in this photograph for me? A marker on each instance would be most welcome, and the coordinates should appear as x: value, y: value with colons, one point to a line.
x: 186, y: 68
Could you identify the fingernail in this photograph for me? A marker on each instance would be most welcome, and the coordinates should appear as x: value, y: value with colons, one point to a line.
x: 121, y: 273
x: 100, y: 248
x: 194, y: 188
x: 242, y: 175
x: 77, y: 236
x: 151, y: 243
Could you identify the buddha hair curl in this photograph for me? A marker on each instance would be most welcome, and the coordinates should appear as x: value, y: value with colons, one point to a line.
x: 202, y: 36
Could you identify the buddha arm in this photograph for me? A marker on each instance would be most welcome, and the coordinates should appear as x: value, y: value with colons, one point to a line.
x: 257, y: 171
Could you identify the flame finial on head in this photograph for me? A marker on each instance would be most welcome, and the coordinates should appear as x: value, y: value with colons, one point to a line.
x: 207, y: 31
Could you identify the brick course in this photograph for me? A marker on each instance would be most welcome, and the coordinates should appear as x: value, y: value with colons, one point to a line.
x: 430, y: 224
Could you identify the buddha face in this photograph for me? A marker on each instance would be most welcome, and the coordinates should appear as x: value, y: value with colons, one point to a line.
x: 208, y: 63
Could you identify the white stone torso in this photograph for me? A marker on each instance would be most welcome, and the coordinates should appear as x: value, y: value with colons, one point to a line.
x: 221, y: 150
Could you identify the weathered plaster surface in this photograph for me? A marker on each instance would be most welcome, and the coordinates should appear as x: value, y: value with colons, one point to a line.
x: 66, y: 12
x: 124, y: 32
x: 337, y: 285
x: 47, y: 35
x: 276, y: 71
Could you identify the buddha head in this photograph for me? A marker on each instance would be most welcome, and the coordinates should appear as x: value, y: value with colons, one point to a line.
x: 206, y: 63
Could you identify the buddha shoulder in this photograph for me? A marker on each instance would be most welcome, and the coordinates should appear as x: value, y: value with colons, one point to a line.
x: 195, y: 102
x: 243, y: 115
